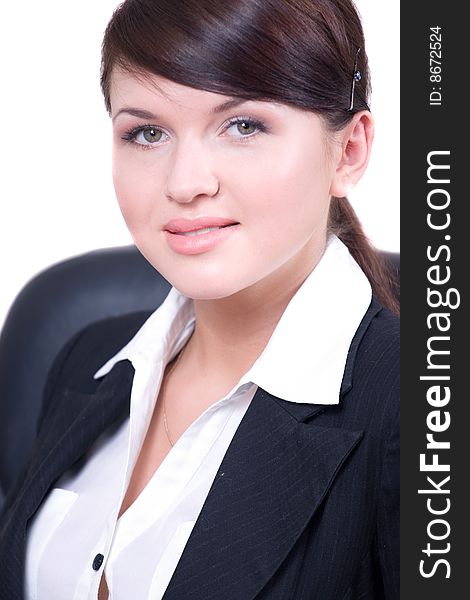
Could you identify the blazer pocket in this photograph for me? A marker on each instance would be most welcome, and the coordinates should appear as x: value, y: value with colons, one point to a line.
x: 43, y: 526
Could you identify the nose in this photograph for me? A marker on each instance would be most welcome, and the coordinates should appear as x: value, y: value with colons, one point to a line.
x: 191, y: 174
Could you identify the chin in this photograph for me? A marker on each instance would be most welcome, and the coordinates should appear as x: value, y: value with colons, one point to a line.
x: 204, y: 289
x: 208, y: 277
x: 201, y: 283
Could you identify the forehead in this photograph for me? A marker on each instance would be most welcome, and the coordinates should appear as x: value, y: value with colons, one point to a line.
x: 154, y: 94
x: 129, y: 87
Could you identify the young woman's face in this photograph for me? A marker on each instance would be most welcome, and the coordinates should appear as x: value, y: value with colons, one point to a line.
x: 220, y: 195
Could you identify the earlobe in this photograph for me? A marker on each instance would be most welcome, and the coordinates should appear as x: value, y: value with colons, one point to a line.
x: 356, y: 142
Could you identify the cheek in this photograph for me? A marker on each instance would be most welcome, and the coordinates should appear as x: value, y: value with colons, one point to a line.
x: 287, y: 190
x: 133, y: 191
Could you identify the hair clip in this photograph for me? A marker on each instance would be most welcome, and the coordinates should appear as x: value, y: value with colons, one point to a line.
x: 357, y: 76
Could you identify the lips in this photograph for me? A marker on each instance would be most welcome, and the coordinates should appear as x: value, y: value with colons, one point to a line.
x: 200, y: 231
x: 198, y: 226
x: 197, y: 236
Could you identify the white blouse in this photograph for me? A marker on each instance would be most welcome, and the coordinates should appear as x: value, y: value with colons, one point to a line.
x: 76, y: 533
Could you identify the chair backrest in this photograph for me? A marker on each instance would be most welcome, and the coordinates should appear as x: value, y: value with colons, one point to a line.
x: 49, y: 310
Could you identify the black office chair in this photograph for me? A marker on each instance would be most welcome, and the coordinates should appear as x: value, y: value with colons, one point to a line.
x: 52, y: 307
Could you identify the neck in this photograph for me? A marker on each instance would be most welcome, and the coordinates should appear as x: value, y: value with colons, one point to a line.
x: 232, y: 332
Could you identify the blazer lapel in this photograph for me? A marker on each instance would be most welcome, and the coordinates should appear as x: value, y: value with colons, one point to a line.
x: 272, y: 479
x: 81, y: 422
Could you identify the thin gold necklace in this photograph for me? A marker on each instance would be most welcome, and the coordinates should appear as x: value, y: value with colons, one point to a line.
x: 165, y: 379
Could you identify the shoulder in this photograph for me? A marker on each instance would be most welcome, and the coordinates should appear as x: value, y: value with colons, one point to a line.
x: 375, y: 348
x: 91, y: 347
x: 371, y: 383
x: 376, y: 372
x: 382, y: 334
x: 75, y: 365
x: 377, y: 340
x: 377, y: 366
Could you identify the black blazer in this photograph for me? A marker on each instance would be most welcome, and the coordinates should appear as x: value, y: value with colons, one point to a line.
x: 304, y: 505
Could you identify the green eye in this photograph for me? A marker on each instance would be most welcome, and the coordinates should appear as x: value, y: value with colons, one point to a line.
x: 152, y: 135
x: 146, y: 136
x: 246, y: 128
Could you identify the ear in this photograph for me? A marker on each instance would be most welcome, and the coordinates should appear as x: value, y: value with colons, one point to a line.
x: 353, y: 156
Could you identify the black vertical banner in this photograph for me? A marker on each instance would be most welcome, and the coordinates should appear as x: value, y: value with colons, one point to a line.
x: 435, y: 269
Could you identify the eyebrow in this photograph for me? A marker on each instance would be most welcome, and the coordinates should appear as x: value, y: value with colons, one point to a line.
x: 228, y: 105
x: 145, y: 114
x: 135, y: 112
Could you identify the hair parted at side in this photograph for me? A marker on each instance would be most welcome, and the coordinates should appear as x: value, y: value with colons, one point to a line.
x: 297, y: 52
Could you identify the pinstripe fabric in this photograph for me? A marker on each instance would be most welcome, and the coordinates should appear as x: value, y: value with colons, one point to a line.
x: 304, y: 505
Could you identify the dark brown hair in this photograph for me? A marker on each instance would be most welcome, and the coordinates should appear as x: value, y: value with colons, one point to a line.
x: 298, y: 52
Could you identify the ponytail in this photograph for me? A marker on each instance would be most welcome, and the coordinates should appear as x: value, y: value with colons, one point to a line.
x: 343, y: 222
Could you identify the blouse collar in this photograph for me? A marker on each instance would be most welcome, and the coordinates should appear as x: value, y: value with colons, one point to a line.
x: 304, y: 359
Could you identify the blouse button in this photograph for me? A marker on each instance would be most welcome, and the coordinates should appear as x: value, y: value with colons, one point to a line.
x: 97, y: 562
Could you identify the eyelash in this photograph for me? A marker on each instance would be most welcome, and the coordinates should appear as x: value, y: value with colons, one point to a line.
x: 260, y: 126
x: 131, y: 135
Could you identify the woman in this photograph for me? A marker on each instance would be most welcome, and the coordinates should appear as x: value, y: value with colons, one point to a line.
x: 240, y: 442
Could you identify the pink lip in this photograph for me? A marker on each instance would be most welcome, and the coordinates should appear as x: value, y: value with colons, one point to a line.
x: 185, y: 225
x: 198, y: 244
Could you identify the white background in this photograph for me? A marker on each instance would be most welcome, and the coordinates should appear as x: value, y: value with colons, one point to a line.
x: 57, y: 198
